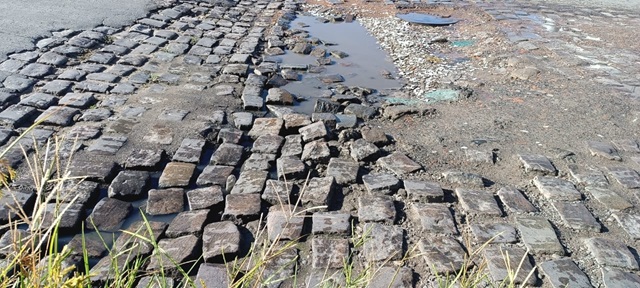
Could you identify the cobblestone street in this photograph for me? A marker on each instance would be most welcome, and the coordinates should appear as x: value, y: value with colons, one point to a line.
x: 186, y: 117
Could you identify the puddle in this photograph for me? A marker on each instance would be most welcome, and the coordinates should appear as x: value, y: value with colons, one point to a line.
x: 363, y: 67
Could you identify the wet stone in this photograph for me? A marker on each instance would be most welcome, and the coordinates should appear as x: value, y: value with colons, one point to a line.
x: 187, y: 222
x: 319, y: 192
x: 129, y: 185
x: 564, y: 273
x: 376, y: 208
x: 576, y: 216
x: 385, y: 242
x: 538, y: 235
x: 242, y: 207
x: 498, y: 269
x: 422, y: 191
x: 56, y: 87
x: 108, y: 215
x: 36, y: 70
x: 494, y: 232
x: 107, y: 144
x: 180, y: 251
x: 611, y: 253
x: 229, y: 135
x: 361, y: 150
x: 277, y: 192
x: 165, y: 201
x: 399, y: 164
x: 442, y: 254
x: 478, y: 202
x: 557, y: 189
x: 250, y: 181
x: 612, y: 277
x: 604, y: 150
x: 283, y: 223
x: 189, y: 150
x: 433, y: 218
x: 78, y: 100
x: 227, y: 154
x: 205, y: 198
x: 18, y: 83
x: 93, y: 167
x: 537, y: 163
x: 627, y: 177
x: 329, y: 253
x: 176, y: 174
x: 214, y: 175
x: 39, y: 100
x: 381, y: 183
x: 264, y: 126
x: 243, y: 120
x: 513, y: 199
x: 344, y: 171
x: 630, y: 223
x: 610, y: 199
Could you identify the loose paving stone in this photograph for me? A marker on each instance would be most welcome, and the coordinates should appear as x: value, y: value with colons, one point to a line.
x: 176, y: 174
x: 627, y: 145
x: 494, y: 233
x: 95, y: 115
x: 343, y: 171
x: 576, y: 216
x: 242, y: 207
x: 229, y: 135
x: 295, y: 121
x: 556, y: 189
x: 58, y: 115
x: 12, y: 65
x: 433, y: 218
x: 313, y: 131
x: 381, y: 183
x: 269, y: 144
x: 538, y: 235
x: 83, y: 132
x: 108, y: 215
x: 80, y: 244
x: 290, y: 74
x: 72, y: 74
x: 39, y: 100
x: 165, y: 201
x: 53, y: 58
x: 479, y: 156
x: 612, y: 277
x: 610, y: 199
x: 250, y: 181
x: 108, y: 144
x: 181, y: 251
x: 346, y: 121
x: 629, y: 222
x: 69, y: 220
x: 375, y: 135
x: 361, y: 111
x: 92, y: 166
x: 517, y: 257
x: 18, y: 83
x: 92, y: 86
x: 189, y: 150
x: 77, y: 100
x: 361, y: 150
x: 604, y: 150
x: 399, y: 164
x: 464, y: 178
x: 102, y: 58
x: 564, y: 273
x: 284, y: 222
x: 220, y: 239
x: 376, y: 208
x: 265, y: 126
x: 392, y: 277
x: 422, y: 191
x: 610, y: 252
x: 129, y: 185
x: 214, y: 175
x: 627, y: 177
x: 329, y: 253
x: 5, y: 134
x: 316, y: 151
x: 187, y: 222
x: 17, y: 115
x: 279, y: 96
x: 385, y: 243
x: 205, y: 198
x: 292, y: 146
x: 143, y: 158
x: 537, y: 163
x: 227, y: 154
x: 290, y: 167
x: 156, y: 281
x: 103, y: 77
x: 328, y: 119
x: 277, y: 192
x: 243, y: 120
x: 331, y: 223
x: 259, y: 161
x: 326, y: 106
x: 442, y: 254
x: 12, y: 202
x: 513, y: 199
x: 7, y: 99
x: 318, y: 192
x: 36, y: 70
x: 477, y: 202
x: 210, y: 275
x: 56, y: 87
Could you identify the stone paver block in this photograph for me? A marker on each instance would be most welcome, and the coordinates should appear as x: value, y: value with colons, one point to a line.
x: 165, y: 201
x: 93, y: 167
x: 72, y: 214
x: 239, y: 207
x: 189, y: 150
x: 12, y: 202
x: 515, y: 202
x: 129, y: 184
x: 381, y: 183
x: 243, y: 120
x: 576, y: 216
x: 227, y: 154
x: 612, y: 277
x: 144, y: 158
x: 259, y: 161
x: 78, y: 100
x: 399, y: 164
x: 378, y: 208
x: 318, y: 192
x: 277, y: 192
x: 187, y: 222
x: 250, y: 181
x: 39, y: 100
x: 344, y: 171
x: 316, y: 152
x: 292, y: 146
x: 284, y: 222
x: 220, y: 239
x: 496, y: 257
x: 329, y: 253
x: 362, y: 150
x: 478, y: 202
x: 295, y: 121
x: 17, y: 115
x: 610, y: 199
x: 604, y: 150
x: 392, y: 277
x: 423, y: 191
x: 108, y: 215
x: 58, y: 115
x: 588, y: 176
x: 464, y: 178
x: 176, y: 174
x: 290, y: 167
x: 331, y: 223
x: 627, y: 177
x: 433, y: 218
x: 107, y: 144
x: 556, y: 189
x: 564, y: 273
x: 384, y: 243
x: 228, y: 135
x: 538, y: 235
x: 205, y: 198
x: 537, y: 163
x: 630, y: 223
x: 264, y: 126
x: 214, y: 175
x: 267, y: 144
x: 212, y: 275
x: 443, y: 255
x: 181, y: 251
x: 494, y: 233
x: 613, y: 253
x: 313, y: 131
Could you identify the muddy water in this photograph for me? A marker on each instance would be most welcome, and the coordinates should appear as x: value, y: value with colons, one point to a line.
x: 363, y: 67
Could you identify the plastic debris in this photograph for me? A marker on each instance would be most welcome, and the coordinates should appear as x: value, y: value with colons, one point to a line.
x: 442, y: 95
x: 427, y: 19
